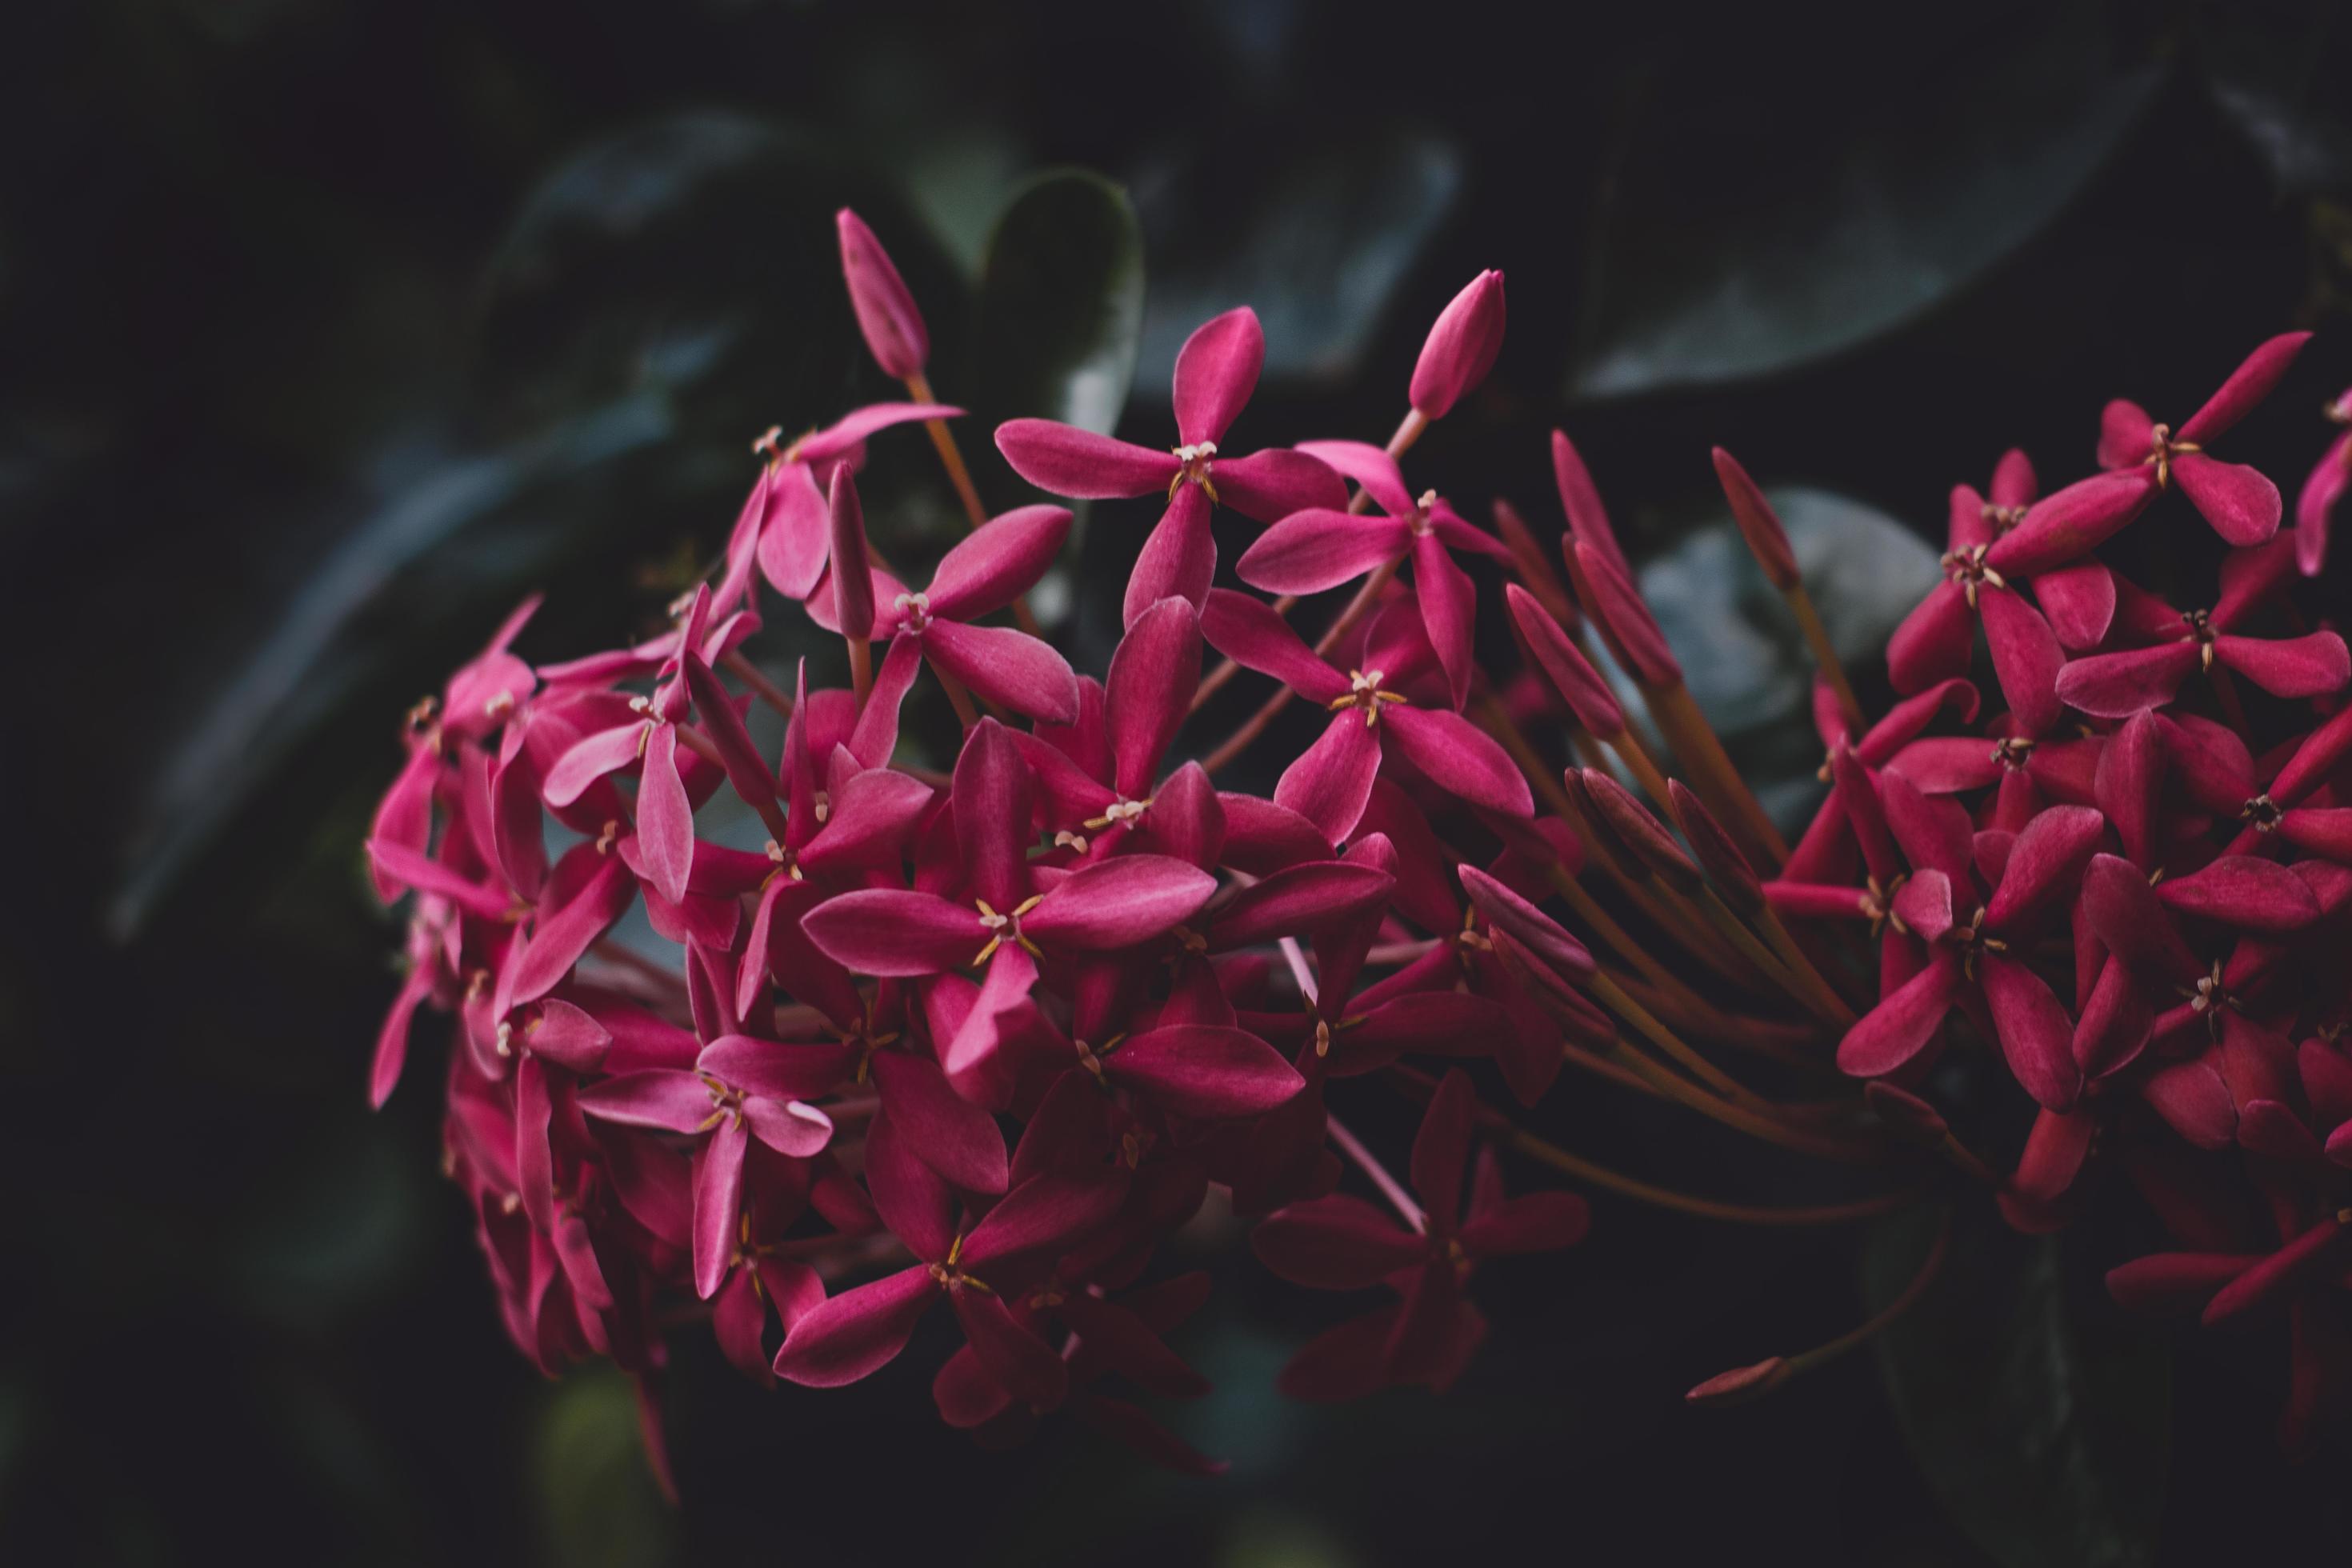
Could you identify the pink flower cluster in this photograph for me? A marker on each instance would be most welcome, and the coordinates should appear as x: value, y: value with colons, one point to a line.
x: 2132, y: 883
x: 989, y: 1039
x: 986, y: 1041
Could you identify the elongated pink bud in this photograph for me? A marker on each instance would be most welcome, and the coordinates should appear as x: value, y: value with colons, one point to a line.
x: 1564, y: 666
x: 1642, y: 833
x: 886, y: 311
x: 1741, y: 1383
x: 1537, y: 935
x: 1734, y: 880
x: 1461, y: 348
x: 1758, y: 525
x: 852, y: 574
x: 1615, y: 603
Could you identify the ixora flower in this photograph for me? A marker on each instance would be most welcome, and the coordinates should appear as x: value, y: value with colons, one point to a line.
x: 991, y: 1038
x: 1216, y: 371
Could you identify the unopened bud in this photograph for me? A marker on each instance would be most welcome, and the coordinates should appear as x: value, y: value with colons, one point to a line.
x: 1461, y: 348
x: 886, y: 312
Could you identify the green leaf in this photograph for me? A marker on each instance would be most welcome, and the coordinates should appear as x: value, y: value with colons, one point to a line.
x: 2047, y: 1443
x: 1735, y: 246
x: 1746, y: 664
x: 1061, y: 303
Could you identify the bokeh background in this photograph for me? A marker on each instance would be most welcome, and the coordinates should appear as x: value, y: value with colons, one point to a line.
x: 327, y: 330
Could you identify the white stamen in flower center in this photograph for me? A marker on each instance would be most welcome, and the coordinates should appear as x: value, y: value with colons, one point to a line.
x: 1194, y: 460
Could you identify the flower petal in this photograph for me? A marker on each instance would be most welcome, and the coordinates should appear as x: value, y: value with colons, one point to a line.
x: 1459, y: 757
x: 1005, y: 666
x: 946, y: 1131
x: 2118, y: 685
x: 1332, y: 779
x: 1216, y: 371
x: 2036, y: 1036
x: 1248, y: 632
x: 2245, y: 892
x: 1118, y: 903
x: 2313, y: 665
x: 796, y: 536
x: 1147, y: 692
x: 998, y: 562
x: 1064, y: 461
x: 1334, y: 1243
x: 2079, y: 601
x: 896, y: 933
x: 2248, y: 386
x: 717, y: 1199
x: 1903, y: 1021
x: 1449, y: 607
x: 1268, y: 486
x: 856, y: 1332
x: 1311, y: 550
x: 1178, y: 559
x: 2237, y: 499
x: 1198, y: 1070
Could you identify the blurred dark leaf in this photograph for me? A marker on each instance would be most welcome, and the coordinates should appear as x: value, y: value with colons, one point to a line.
x: 1061, y: 303
x: 2278, y: 83
x: 1745, y: 660
x: 658, y: 301
x: 2046, y: 1444
x: 1735, y: 246
x: 368, y: 608
x: 1317, y: 236
x: 698, y: 254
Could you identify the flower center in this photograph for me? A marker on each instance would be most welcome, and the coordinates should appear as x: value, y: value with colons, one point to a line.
x: 1878, y: 905
x: 1364, y: 692
x: 1968, y: 568
x: 1118, y: 811
x: 788, y: 863
x: 2209, y: 996
x: 2201, y: 632
x: 2012, y: 753
x: 1420, y: 520
x: 1091, y: 1057
x: 2162, y: 450
x: 914, y: 611
x: 1974, y: 943
x: 2002, y: 518
x: 1194, y: 460
x: 2263, y: 813
x: 725, y: 1102
x: 1002, y: 928
x: 951, y: 1278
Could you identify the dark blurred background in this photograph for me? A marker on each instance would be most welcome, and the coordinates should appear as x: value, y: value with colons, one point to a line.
x: 327, y: 330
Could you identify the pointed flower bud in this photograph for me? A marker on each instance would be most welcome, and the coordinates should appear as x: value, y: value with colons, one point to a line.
x: 853, y: 574
x: 1641, y: 833
x: 1734, y: 880
x: 886, y: 311
x: 1461, y: 348
x: 1758, y: 522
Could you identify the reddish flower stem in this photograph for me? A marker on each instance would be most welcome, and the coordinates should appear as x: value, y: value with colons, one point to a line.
x: 766, y: 690
x: 1825, y: 659
x: 943, y: 441
x: 1399, y: 1199
x: 1650, y: 1193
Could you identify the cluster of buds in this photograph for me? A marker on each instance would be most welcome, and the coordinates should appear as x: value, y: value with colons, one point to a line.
x: 888, y: 1037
